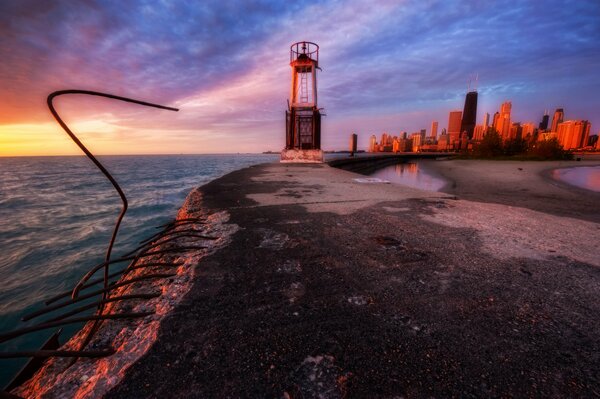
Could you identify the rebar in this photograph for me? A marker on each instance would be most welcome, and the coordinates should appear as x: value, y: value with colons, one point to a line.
x: 42, y: 326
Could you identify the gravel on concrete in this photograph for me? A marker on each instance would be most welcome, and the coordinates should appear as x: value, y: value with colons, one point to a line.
x: 335, y: 288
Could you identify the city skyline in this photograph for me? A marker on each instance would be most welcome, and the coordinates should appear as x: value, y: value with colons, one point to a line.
x: 386, y: 66
x: 464, y: 134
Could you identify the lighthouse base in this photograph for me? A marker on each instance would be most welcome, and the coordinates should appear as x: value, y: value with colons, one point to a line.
x: 302, y: 156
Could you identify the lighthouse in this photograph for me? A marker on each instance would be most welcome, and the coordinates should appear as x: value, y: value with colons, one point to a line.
x: 303, y: 117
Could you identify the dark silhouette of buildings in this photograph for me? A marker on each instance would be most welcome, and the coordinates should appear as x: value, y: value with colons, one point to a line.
x: 469, y: 115
x: 544, y: 123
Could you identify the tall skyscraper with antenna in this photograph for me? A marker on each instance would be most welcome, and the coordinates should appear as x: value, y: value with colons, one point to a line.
x: 469, y: 115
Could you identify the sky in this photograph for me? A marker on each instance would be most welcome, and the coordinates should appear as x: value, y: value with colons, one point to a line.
x: 388, y: 66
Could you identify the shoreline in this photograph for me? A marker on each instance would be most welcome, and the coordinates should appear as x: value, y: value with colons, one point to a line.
x: 525, y: 184
x: 131, y: 338
x: 378, y: 289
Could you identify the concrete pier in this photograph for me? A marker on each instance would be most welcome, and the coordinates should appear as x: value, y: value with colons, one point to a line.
x: 337, y: 287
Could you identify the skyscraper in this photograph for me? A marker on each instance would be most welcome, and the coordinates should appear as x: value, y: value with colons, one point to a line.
x: 495, y: 120
x: 486, y: 120
x: 373, y: 144
x: 544, y: 123
x: 502, y: 124
x: 558, y: 117
x: 454, y: 122
x: 469, y: 116
x: 434, y: 127
x: 573, y: 134
x: 527, y: 129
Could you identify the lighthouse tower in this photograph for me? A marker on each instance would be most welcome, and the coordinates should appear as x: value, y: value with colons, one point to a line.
x: 303, y: 118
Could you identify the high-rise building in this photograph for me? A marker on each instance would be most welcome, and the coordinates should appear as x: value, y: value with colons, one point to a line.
x: 478, y: 133
x: 527, y: 129
x: 454, y: 122
x: 502, y: 124
x: 353, y: 141
x: 469, y: 116
x: 495, y: 120
x: 516, y: 131
x: 573, y: 134
x: 558, y: 117
x: 434, y: 127
x: 416, y: 141
x: 486, y: 120
x: 373, y: 144
x: 544, y: 123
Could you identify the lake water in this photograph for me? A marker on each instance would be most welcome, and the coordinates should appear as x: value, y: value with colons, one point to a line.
x: 412, y: 174
x: 57, y: 215
x: 587, y: 177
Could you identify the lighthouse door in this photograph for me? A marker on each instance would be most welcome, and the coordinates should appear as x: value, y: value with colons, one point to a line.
x: 305, y: 132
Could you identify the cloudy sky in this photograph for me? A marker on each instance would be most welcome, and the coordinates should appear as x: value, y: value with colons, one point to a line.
x: 387, y: 66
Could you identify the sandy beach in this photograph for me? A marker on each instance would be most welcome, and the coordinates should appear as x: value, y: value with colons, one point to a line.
x: 523, y: 184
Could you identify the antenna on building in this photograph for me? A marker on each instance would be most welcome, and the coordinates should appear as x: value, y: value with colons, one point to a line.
x: 476, y: 79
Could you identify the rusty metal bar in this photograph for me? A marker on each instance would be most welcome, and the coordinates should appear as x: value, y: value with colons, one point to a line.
x: 167, y: 250
x: 199, y: 220
x: 167, y: 233
x: 98, y: 164
x: 100, y: 291
x: 90, y: 306
x: 42, y: 326
x: 65, y: 294
x: 78, y: 287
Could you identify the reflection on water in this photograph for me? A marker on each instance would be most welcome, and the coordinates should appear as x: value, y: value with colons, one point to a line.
x: 587, y: 177
x: 412, y: 175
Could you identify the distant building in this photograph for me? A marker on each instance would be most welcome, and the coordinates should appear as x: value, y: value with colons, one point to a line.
x: 443, y: 141
x: 401, y: 145
x: 527, y: 130
x: 495, y: 120
x: 454, y: 122
x: 516, y: 132
x: 544, y: 123
x: 573, y: 134
x: 373, y: 144
x: 464, y: 141
x: 479, y: 131
x: 434, y: 129
x: 416, y: 141
x: 469, y: 115
x: 486, y: 120
x: 353, y: 142
x: 558, y: 117
x: 502, y: 124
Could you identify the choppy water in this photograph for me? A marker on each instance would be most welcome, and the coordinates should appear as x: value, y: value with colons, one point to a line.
x: 587, y: 177
x: 411, y: 174
x: 57, y: 214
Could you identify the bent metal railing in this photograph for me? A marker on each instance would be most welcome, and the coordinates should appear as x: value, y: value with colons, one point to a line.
x: 166, y: 239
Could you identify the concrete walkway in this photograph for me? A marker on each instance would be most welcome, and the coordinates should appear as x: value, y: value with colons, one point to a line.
x: 338, y: 288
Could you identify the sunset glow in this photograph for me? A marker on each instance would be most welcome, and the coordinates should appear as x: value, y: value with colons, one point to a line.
x: 387, y: 66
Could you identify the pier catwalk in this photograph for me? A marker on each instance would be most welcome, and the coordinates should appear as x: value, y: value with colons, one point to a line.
x: 336, y: 287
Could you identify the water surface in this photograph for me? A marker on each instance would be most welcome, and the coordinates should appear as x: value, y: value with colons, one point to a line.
x: 412, y: 174
x: 57, y: 215
x: 587, y: 177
